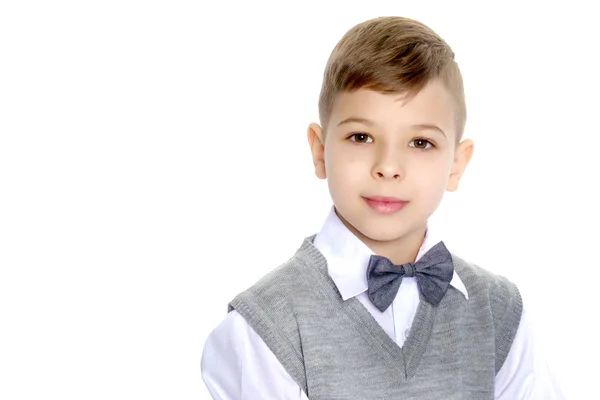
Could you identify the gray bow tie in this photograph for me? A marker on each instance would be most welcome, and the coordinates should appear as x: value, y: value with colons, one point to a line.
x: 434, y: 272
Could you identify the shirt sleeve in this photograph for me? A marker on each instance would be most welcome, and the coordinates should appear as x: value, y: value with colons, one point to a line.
x: 525, y: 374
x: 237, y: 364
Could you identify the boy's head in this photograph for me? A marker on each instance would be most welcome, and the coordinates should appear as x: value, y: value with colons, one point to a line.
x: 392, y: 113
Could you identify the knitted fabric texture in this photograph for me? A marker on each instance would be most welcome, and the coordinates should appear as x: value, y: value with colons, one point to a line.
x: 335, y: 349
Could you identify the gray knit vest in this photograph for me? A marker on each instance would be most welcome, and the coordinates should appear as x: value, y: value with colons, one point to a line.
x: 335, y: 349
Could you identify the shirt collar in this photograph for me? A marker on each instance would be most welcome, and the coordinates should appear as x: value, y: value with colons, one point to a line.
x: 348, y: 257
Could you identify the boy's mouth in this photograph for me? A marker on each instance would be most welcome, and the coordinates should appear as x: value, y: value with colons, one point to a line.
x: 385, y: 205
x: 384, y: 199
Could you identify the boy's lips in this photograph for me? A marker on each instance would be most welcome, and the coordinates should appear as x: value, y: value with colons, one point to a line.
x: 385, y: 205
x: 386, y: 199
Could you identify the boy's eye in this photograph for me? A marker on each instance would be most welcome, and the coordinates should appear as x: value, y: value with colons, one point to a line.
x: 360, y: 137
x: 422, y: 143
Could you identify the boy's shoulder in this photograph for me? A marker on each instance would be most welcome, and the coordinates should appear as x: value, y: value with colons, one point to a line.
x: 288, y: 277
x: 477, y: 279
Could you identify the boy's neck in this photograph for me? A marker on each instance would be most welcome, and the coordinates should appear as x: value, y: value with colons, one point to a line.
x: 402, y: 250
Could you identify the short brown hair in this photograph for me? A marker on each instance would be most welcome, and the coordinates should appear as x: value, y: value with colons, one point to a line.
x: 391, y: 55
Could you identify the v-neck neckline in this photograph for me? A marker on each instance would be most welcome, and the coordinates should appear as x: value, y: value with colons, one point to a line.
x: 410, y: 353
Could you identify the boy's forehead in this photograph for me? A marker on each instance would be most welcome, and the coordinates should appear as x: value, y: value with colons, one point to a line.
x: 431, y: 105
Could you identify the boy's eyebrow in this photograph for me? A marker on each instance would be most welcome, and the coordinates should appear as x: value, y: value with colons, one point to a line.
x: 365, y: 121
x: 422, y: 127
x: 368, y: 122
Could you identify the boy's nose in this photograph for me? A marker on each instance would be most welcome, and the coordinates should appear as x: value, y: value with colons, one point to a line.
x: 388, y: 167
x: 385, y: 175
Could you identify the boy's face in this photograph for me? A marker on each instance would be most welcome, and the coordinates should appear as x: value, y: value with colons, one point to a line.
x: 372, y: 147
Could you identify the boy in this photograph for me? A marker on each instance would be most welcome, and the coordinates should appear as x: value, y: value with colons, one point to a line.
x: 374, y: 306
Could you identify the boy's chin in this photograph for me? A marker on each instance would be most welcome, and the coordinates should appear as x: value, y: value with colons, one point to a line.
x: 383, y: 231
x: 379, y: 228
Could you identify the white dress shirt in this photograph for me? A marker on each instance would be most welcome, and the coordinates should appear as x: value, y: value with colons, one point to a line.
x: 237, y: 364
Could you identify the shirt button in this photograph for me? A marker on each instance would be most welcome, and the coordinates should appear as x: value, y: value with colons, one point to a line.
x: 406, y: 332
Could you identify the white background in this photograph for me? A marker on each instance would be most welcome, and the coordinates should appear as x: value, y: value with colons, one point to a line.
x: 154, y: 163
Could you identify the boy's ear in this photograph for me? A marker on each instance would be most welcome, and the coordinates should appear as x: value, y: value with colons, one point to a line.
x: 317, y: 148
x: 462, y: 156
